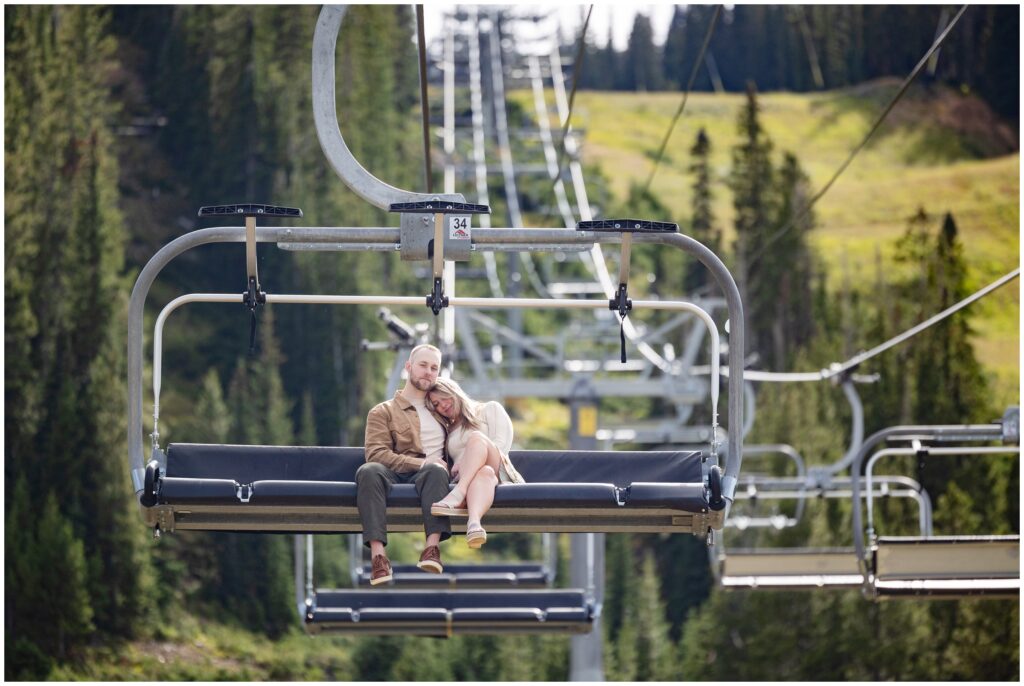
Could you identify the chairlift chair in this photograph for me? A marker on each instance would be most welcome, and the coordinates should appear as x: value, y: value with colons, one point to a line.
x: 307, y: 489
x: 797, y: 569
x: 936, y: 567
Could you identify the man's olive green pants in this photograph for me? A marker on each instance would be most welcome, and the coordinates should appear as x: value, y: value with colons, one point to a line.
x: 373, y: 484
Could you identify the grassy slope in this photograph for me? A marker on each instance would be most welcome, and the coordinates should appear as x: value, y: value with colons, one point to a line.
x: 913, y: 161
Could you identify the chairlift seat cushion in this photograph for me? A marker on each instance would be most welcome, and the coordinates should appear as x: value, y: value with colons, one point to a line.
x: 309, y: 493
x: 685, y: 496
x: 312, y: 489
x: 496, y: 615
x: 487, y: 600
x: 532, y: 495
x: 466, y: 575
x: 400, y: 614
x: 444, y: 612
x: 249, y: 463
x: 207, y: 491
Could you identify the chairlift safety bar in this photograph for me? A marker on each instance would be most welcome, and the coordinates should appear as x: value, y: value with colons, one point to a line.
x: 418, y: 301
x: 931, y: 450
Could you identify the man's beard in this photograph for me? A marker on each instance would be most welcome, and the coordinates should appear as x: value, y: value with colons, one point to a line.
x: 422, y: 384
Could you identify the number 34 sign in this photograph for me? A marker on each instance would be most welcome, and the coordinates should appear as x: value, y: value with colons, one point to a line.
x: 459, y: 228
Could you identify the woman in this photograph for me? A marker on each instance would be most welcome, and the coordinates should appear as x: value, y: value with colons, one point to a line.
x: 479, y: 438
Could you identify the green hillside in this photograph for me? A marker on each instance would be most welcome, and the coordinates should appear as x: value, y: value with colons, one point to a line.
x: 941, y: 151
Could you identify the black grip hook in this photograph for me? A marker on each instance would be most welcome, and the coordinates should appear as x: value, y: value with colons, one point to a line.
x: 623, y: 305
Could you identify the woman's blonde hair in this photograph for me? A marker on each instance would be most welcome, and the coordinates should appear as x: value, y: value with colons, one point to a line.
x: 464, y: 406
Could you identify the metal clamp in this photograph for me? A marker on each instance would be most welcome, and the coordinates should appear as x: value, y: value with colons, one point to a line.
x: 244, y: 492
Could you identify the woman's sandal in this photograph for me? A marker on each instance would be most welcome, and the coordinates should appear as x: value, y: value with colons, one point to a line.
x: 445, y: 508
x: 476, y: 537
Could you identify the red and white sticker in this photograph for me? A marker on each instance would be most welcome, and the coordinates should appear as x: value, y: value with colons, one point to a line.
x: 459, y: 228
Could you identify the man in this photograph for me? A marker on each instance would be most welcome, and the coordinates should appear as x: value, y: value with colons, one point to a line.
x: 404, y: 444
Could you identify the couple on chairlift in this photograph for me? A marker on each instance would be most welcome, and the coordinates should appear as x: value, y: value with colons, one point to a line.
x: 431, y: 433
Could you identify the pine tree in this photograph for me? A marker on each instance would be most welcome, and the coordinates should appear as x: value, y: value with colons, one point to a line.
x: 637, y: 642
x: 253, y: 566
x: 673, y: 56
x: 644, y: 66
x: 62, y: 613
x: 260, y: 411
x: 65, y: 298
x: 787, y: 265
x: 752, y: 181
x: 702, y: 224
x: 618, y: 556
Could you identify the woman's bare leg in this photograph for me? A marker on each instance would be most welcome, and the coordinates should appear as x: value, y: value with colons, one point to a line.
x: 480, y: 496
x: 479, y: 452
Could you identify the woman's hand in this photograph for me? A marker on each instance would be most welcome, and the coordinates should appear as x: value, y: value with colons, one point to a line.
x: 455, y: 471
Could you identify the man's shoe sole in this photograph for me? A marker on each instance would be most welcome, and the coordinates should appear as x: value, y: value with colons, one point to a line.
x: 430, y: 566
x: 380, y: 580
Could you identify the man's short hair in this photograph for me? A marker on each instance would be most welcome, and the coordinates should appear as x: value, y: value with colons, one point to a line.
x: 424, y: 346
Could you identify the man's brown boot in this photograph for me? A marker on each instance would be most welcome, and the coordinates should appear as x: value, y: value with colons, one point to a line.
x: 430, y: 560
x: 381, y: 573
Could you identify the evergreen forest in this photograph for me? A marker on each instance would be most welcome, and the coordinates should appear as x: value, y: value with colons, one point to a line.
x: 121, y: 121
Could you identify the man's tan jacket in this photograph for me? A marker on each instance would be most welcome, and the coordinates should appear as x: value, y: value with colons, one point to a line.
x: 393, y: 436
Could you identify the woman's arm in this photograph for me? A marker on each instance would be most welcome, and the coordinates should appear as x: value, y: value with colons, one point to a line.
x: 499, y: 426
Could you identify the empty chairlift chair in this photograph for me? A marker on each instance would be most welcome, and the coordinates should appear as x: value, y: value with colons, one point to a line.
x: 796, y: 569
x: 465, y: 599
x: 445, y: 613
x: 937, y: 566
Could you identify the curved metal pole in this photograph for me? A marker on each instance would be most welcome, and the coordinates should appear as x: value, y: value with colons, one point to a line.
x: 325, y: 116
x: 737, y: 345
x: 414, y: 301
x: 781, y: 449
x: 778, y: 449
x: 887, y: 452
x: 750, y: 400
x: 949, y: 432
x: 856, y: 428
x: 914, y: 491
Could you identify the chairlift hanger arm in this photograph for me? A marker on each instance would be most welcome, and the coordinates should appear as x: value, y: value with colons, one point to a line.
x: 325, y: 116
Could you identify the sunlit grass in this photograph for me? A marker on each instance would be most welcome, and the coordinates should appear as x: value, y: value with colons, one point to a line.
x: 911, y: 163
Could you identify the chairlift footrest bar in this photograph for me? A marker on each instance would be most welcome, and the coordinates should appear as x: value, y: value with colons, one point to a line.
x: 249, y: 210
x: 628, y: 226
x: 438, y: 207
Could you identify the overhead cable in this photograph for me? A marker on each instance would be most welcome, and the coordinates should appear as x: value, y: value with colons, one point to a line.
x: 862, y: 357
x: 424, y: 105
x: 878, y: 122
x: 837, y: 369
x: 686, y: 95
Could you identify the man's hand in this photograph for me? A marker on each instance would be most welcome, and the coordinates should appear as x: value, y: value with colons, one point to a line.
x: 435, y: 460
